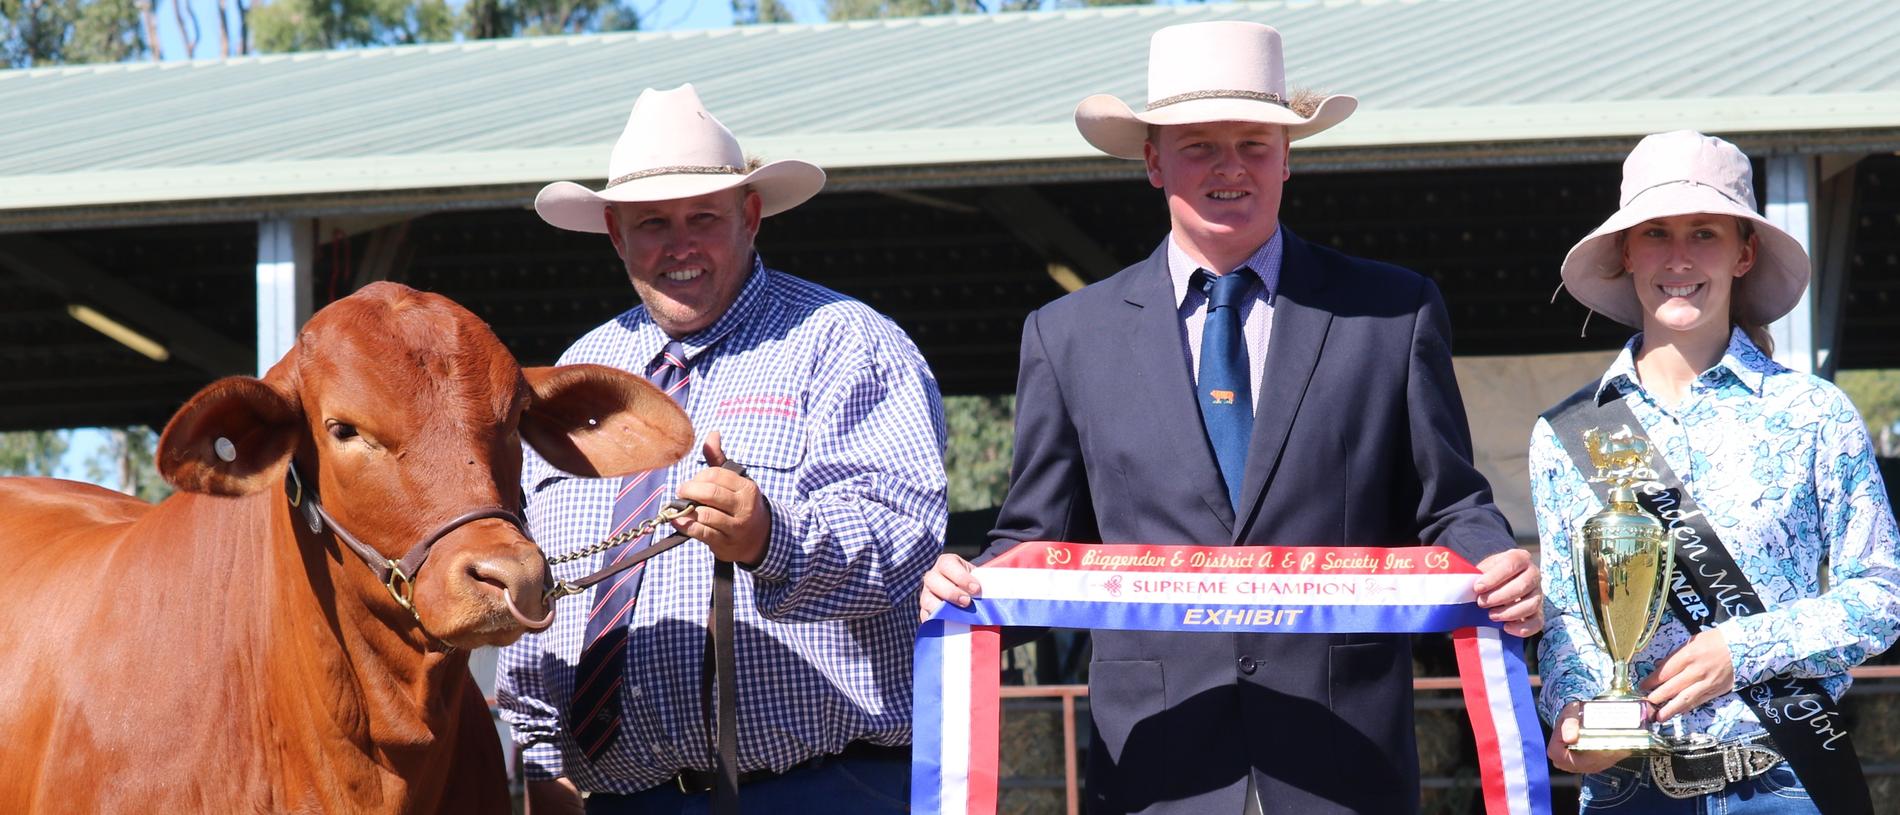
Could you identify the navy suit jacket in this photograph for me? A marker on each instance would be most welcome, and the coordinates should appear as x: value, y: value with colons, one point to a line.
x: 1359, y: 439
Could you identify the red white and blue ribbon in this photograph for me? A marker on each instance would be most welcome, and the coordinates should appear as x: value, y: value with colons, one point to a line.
x: 1262, y: 589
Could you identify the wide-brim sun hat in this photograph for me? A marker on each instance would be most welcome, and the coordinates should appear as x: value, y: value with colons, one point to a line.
x: 1683, y: 172
x: 1226, y: 71
x: 673, y: 148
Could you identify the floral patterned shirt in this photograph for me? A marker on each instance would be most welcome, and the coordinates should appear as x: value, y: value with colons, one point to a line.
x: 1782, y: 465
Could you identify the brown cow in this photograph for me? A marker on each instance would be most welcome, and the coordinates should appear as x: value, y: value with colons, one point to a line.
x: 213, y: 654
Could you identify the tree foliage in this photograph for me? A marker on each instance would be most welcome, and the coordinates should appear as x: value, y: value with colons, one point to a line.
x: 316, y: 25
x: 32, y: 452
x: 488, y: 19
x: 755, y: 12
x: 126, y: 461
x: 981, y: 430
x: 1877, y: 395
x: 37, y: 33
x: 54, y: 32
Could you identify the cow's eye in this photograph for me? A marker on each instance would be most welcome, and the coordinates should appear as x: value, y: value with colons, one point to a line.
x: 340, y: 431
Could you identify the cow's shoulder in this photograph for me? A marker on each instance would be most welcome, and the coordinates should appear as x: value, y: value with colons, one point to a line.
x: 65, y: 506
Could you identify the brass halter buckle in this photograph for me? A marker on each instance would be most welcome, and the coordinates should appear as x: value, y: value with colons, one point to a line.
x: 402, y: 587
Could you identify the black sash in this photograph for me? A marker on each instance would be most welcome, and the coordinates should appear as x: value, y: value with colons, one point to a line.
x: 1708, y: 588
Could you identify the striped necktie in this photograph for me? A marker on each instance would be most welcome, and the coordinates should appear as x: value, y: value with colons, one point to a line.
x: 595, y: 711
x: 1225, y: 393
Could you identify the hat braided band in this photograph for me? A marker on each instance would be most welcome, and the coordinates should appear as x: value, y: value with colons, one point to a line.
x: 677, y: 169
x: 1691, y: 181
x: 1257, y: 96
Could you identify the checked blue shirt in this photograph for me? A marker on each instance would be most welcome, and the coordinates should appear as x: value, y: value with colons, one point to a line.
x: 1783, y: 466
x: 835, y: 414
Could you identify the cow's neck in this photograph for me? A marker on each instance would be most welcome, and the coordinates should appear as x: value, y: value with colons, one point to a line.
x: 380, y: 706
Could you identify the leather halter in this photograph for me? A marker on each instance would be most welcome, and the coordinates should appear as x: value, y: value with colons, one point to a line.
x: 398, y: 576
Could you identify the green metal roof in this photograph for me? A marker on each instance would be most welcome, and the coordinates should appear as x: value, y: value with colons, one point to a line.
x: 870, y: 99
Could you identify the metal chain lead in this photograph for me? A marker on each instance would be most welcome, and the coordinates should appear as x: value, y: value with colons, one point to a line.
x: 646, y: 527
x: 673, y: 509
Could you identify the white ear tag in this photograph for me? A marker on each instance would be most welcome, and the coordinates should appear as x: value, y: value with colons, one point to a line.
x: 225, y: 449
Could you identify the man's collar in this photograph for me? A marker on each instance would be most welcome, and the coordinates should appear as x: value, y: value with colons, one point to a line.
x: 1741, y: 361
x: 1265, y: 262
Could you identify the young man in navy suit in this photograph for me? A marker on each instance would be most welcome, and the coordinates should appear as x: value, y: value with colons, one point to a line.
x: 1241, y: 386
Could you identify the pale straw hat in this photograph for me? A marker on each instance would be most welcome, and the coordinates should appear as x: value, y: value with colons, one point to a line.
x: 1683, y: 172
x: 673, y: 148
x: 1226, y: 71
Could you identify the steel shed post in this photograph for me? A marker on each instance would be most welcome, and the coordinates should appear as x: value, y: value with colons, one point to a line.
x: 284, y: 256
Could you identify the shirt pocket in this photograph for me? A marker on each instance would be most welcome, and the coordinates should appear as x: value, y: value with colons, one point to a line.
x: 770, y: 447
x: 1610, y: 789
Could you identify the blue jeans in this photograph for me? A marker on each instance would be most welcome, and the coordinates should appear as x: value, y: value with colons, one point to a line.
x: 1623, y: 790
x: 835, y: 785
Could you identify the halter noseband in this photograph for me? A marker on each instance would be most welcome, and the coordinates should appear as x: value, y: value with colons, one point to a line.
x: 398, y: 576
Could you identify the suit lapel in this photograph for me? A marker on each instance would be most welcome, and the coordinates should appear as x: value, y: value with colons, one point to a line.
x: 1164, y: 385
x: 1300, y: 321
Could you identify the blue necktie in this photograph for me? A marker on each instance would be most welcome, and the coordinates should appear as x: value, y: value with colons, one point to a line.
x: 1225, y: 396
x: 594, y: 712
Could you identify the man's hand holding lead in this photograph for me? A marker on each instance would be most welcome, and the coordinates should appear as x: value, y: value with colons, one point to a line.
x: 732, y: 518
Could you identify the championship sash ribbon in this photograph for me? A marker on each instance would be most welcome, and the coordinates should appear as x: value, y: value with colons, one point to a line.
x: 1264, y: 589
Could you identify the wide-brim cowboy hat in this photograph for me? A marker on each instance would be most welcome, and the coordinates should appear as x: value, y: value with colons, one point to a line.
x: 1683, y: 173
x: 673, y: 148
x: 1227, y: 71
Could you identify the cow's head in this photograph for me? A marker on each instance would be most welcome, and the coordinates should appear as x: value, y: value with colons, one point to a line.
x: 404, y: 411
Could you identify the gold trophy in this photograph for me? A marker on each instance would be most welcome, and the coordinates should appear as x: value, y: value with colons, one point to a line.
x: 1623, y: 561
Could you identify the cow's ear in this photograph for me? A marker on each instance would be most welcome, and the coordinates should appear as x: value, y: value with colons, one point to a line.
x: 232, y: 438
x: 596, y: 421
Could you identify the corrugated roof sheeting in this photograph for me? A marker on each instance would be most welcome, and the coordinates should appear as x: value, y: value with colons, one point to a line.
x: 977, y: 88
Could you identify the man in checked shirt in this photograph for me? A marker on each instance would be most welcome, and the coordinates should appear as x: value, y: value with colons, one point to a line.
x: 839, y: 424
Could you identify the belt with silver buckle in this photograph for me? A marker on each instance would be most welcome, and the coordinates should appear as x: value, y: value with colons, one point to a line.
x: 1699, y: 765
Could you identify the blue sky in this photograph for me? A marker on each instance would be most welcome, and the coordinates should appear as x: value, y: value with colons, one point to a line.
x: 655, y: 15
x: 83, y: 443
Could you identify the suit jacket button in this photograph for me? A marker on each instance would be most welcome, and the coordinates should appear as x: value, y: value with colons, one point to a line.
x: 1247, y: 665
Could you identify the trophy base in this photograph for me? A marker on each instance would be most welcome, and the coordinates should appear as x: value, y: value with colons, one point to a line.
x: 1617, y: 725
x: 1639, y: 742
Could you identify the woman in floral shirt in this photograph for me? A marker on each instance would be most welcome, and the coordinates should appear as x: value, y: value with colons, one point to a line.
x: 1779, y: 461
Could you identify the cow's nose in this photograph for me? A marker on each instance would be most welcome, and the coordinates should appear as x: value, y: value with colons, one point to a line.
x: 523, y: 587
